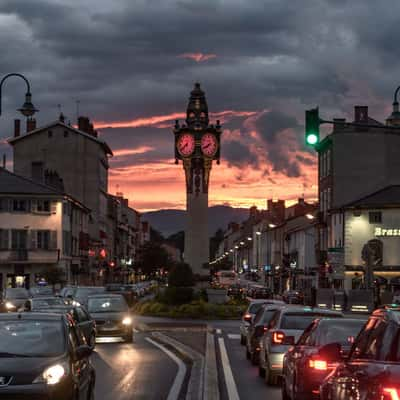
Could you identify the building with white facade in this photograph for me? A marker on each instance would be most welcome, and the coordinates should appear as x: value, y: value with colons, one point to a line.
x: 40, y: 228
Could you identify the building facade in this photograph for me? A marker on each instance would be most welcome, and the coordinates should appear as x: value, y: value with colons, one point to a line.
x: 40, y: 228
x: 80, y: 159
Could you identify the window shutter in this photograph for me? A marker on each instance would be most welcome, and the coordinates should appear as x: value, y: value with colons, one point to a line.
x: 33, y: 238
x: 53, y: 239
x: 34, y: 206
x: 53, y: 207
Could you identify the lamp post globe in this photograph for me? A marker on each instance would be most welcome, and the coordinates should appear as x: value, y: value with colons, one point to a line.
x: 28, y: 109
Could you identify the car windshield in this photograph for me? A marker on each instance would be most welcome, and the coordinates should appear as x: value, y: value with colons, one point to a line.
x: 107, y: 304
x: 253, y: 309
x: 46, y: 302
x: 23, y: 338
x: 17, y: 293
x: 300, y: 321
x: 84, y: 292
x: 343, y: 332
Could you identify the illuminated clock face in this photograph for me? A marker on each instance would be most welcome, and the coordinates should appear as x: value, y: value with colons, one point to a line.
x: 186, y: 144
x: 209, y: 145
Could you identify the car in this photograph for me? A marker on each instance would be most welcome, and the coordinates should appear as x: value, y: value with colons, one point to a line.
x: 249, y: 314
x: 41, y: 291
x: 259, y: 292
x: 111, y: 314
x: 81, y: 317
x: 122, y: 289
x: 256, y: 329
x: 284, y: 329
x: 13, y: 299
x: 372, y: 369
x: 293, y: 297
x: 235, y: 290
x: 39, y: 303
x: 305, y: 365
x: 67, y: 291
x: 44, y: 356
x: 81, y: 293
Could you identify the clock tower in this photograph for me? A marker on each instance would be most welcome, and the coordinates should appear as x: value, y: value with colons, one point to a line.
x: 197, y: 144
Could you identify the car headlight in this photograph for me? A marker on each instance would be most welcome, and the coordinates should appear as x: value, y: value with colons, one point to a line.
x: 76, y: 303
x: 127, y: 321
x: 9, y: 305
x: 53, y: 375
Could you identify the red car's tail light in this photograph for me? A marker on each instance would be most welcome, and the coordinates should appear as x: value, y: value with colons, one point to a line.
x: 278, y: 338
x: 319, y: 365
x: 390, y: 393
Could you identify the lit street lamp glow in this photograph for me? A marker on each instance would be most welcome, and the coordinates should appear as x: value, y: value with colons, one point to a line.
x: 310, y: 216
x: 272, y: 225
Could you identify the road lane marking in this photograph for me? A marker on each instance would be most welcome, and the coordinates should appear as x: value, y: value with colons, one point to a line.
x: 180, y: 376
x: 218, y: 331
x: 226, y: 366
x: 233, y: 336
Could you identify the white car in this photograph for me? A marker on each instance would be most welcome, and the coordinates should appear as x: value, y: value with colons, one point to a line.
x: 283, y: 331
x: 249, y: 314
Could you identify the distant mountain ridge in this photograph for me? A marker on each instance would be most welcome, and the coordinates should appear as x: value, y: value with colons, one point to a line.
x: 171, y: 221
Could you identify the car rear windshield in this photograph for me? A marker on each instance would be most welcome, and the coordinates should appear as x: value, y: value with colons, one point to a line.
x: 299, y: 321
x: 253, y: 309
x: 84, y: 292
x: 268, y: 314
x: 17, y: 293
x: 45, y: 303
x: 343, y: 332
x: 23, y: 338
x: 44, y: 290
x: 107, y: 304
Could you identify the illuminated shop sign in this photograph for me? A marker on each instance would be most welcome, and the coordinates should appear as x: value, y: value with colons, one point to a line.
x: 387, y: 232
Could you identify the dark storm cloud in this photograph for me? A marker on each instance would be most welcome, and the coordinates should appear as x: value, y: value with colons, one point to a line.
x: 239, y: 155
x: 122, y: 60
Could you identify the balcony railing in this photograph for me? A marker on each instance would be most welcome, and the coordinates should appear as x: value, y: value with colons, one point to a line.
x: 28, y: 255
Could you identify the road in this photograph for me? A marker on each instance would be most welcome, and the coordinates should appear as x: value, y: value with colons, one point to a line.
x: 138, y: 370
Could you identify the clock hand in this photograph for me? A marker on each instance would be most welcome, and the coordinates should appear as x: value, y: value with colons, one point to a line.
x: 184, y: 146
x: 206, y: 146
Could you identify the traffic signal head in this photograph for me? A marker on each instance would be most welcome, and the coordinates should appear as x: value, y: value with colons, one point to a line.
x: 312, y: 127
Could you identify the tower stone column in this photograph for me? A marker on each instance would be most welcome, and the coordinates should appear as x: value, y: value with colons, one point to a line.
x: 197, y: 144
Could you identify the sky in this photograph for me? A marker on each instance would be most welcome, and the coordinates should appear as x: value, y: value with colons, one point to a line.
x: 131, y: 64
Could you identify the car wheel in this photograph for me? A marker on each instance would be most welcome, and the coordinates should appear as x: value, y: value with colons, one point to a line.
x: 242, y: 340
x: 92, y: 340
x: 254, y: 358
x: 261, y: 372
x: 269, y: 378
x: 129, y: 337
x: 91, y: 391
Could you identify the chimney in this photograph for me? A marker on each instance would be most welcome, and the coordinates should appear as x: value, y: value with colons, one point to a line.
x: 30, y: 124
x: 17, y: 127
x: 361, y: 114
x: 84, y: 124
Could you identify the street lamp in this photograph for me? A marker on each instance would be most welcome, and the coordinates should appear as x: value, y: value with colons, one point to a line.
x: 272, y: 225
x: 310, y: 216
x: 249, y: 239
x: 258, y: 233
x: 27, y: 109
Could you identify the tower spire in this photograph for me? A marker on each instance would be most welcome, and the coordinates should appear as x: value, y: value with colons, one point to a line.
x: 197, y: 110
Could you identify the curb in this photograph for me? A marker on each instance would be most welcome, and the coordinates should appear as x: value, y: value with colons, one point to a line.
x: 196, y: 381
x: 211, y: 387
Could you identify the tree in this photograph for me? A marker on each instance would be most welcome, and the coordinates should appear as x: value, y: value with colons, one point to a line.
x: 181, y: 275
x: 177, y: 240
x: 151, y: 257
x: 53, y: 275
x: 156, y: 236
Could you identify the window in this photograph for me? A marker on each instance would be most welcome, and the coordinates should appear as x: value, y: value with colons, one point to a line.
x: 18, y: 239
x: 375, y: 217
x: 43, y: 206
x: 43, y: 240
x: 37, y: 171
x: 50, y: 134
x: 20, y: 205
x: 65, y: 133
x: 4, y: 241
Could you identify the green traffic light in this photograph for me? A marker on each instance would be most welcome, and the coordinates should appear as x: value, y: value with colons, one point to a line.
x: 312, y: 139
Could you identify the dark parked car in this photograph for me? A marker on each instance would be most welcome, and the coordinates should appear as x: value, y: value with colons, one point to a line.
x: 293, y: 297
x: 44, y: 356
x: 305, y: 365
x: 235, y: 291
x: 372, y: 370
x: 259, y: 292
x: 111, y: 313
x: 257, y: 329
x: 13, y: 299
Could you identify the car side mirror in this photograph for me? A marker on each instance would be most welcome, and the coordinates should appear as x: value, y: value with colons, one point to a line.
x: 331, y: 352
x: 82, y: 352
